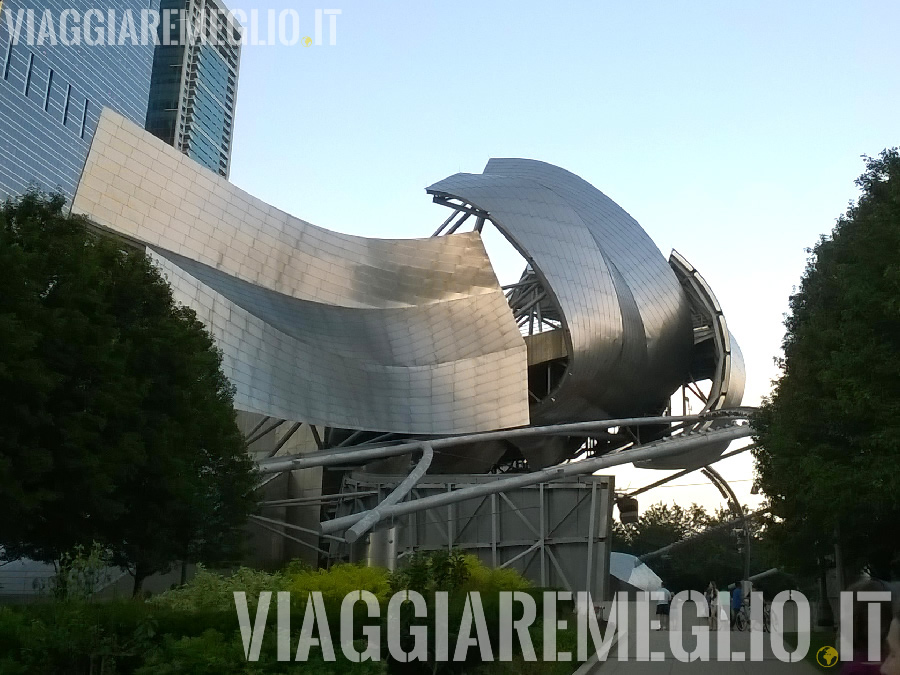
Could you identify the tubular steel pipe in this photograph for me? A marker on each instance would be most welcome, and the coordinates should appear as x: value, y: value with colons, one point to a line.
x: 654, y: 450
x: 371, y: 518
x: 685, y: 472
x: 723, y: 486
x: 344, y: 455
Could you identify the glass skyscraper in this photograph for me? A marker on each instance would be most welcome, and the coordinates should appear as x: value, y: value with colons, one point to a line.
x: 194, y: 86
x: 51, y: 94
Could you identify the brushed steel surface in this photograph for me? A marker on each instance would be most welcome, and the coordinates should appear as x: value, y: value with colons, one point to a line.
x: 411, y: 336
x: 626, y: 317
x: 727, y: 376
x: 414, y: 336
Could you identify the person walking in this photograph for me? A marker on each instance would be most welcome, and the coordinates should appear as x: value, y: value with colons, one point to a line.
x: 737, y: 601
x: 712, y: 602
x: 662, y: 609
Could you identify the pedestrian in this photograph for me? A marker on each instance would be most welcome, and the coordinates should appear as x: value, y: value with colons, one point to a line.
x: 891, y: 665
x: 712, y: 602
x: 861, y: 665
x: 737, y: 601
x: 662, y: 609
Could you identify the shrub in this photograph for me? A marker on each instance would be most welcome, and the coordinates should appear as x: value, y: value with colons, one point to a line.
x: 194, y: 629
x: 213, y: 654
x: 341, y: 580
x: 492, y: 579
x: 208, y: 653
x: 70, y: 637
x: 431, y: 571
x: 454, y: 571
x: 211, y: 591
x: 80, y: 574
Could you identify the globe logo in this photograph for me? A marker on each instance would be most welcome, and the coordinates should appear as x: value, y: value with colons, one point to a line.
x: 307, y: 41
x: 827, y: 657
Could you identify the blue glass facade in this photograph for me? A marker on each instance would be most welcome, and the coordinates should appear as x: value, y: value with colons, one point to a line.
x: 51, y: 95
x: 194, y: 87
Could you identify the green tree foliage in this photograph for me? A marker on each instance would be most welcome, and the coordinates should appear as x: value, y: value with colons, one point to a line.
x: 829, y: 435
x: 117, y: 421
x: 658, y: 526
x: 429, y: 571
x: 715, y: 557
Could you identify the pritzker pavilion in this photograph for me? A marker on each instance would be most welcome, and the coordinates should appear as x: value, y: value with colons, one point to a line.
x: 397, y: 398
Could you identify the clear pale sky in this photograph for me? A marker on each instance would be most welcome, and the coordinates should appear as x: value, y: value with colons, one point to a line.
x: 732, y: 131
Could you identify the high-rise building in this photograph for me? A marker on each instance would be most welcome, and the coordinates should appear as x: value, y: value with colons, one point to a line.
x: 194, y: 86
x: 52, y: 90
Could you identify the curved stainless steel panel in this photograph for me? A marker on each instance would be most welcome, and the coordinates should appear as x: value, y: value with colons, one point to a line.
x: 416, y: 336
x: 626, y: 317
x: 725, y: 369
x: 406, y: 336
x: 728, y: 374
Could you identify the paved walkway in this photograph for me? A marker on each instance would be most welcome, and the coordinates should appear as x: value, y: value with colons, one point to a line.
x: 659, y: 641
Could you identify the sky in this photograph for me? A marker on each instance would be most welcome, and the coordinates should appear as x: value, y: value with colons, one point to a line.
x: 732, y: 131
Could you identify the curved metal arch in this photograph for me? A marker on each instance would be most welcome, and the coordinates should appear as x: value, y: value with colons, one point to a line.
x: 716, y: 356
x: 626, y: 318
x: 736, y: 508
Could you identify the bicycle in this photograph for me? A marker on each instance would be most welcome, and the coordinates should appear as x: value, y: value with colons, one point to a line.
x: 742, y: 621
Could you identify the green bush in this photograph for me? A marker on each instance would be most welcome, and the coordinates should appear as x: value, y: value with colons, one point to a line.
x: 194, y: 629
x: 453, y: 572
x: 427, y: 572
x: 69, y: 637
x: 127, y: 637
x: 492, y: 579
x: 212, y: 654
x: 341, y: 580
x: 211, y: 591
x: 80, y: 573
x: 208, y: 653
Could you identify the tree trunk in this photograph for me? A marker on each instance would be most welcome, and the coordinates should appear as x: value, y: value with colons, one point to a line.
x: 63, y: 571
x: 140, y: 573
x: 839, y: 559
x: 825, y: 617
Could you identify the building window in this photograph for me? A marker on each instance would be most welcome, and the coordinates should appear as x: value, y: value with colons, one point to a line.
x: 8, y: 59
x: 84, y: 117
x: 65, y: 116
x: 28, y: 74
x: 49, y: 88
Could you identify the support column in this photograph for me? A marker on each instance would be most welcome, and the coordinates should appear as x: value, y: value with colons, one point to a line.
x: 382, y: 551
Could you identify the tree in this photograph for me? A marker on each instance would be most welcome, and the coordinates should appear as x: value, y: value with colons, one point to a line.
x: 692, y: 566
x: 714, y: 557
x: 829, y: 435
x: 658, y: 526
x: 118, y: 425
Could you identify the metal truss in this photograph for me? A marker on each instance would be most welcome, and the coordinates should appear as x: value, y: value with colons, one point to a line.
x: 556, y: 533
